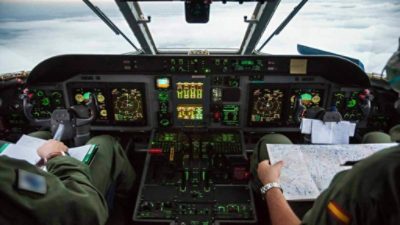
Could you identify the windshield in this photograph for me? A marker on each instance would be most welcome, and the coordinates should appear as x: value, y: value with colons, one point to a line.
x: 224, y: 30
x: 31, y: 31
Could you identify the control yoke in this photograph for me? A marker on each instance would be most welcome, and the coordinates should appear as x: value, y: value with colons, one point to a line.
x: 74, y: 120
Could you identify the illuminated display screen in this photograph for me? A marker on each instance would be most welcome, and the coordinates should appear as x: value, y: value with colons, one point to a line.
x: 216, y: 94
x: 45, y: 102
x: 348, y: 107
x: 127, y: 104
x: 230, y: 115
x: 81, y: 95
x: 309, y: 97
x: 189, y: 112
x: 266, y: 105
x: 189, y: 90
x: 163, y: 83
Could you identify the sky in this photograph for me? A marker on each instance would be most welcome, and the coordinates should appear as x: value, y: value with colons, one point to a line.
x: 34, y: 30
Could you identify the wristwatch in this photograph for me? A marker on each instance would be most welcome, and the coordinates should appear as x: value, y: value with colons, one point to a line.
x: 269, y: 186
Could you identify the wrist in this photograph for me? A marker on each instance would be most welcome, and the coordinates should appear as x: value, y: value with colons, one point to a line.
x: 270, y: 186
x: 272, y: 192
x: 52, y: 155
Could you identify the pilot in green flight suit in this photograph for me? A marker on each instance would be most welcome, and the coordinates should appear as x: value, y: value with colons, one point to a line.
x: 70, y: 192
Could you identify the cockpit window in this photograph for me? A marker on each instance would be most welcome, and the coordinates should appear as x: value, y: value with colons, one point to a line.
x: 366, y: 30
x: 31, y: 31
x: 225, y: 29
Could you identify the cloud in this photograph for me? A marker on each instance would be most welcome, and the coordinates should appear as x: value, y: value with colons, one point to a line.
x: 363, y: 29
x: 367, y: 30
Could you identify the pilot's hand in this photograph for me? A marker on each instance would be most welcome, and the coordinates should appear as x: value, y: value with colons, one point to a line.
x: 269, y: 173
x: 51, y: 149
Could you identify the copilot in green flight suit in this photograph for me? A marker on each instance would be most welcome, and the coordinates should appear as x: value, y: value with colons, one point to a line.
x: 75, y: 192
x: 367, y: 194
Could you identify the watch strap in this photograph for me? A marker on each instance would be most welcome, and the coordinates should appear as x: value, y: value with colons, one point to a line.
x: 269, y: 186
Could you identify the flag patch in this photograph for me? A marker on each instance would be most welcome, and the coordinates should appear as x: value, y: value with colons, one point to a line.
x: 338, y: 213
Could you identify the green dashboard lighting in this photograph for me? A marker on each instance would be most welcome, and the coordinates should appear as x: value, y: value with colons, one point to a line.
x: 86, y: 96
x: 164, y: 122
x: 40, y: 93
x: 306, y: 97
x: 163, y: 96
x: 351, y: 103
x: 247, y: 62
x: 45, y: 102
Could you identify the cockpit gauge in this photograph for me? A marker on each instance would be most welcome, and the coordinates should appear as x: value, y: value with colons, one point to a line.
x: 128, y: 104
x: 339, y: 100
x: 266, y: 106
x: 353, y: 110
x: 82, y: 95
x: 308, y: 98
x: 349, y: 107
x: 79, y: 98
x: 45, y: 102
x: 230, y: 115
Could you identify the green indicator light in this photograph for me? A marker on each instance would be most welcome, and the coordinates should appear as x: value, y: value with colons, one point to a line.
x: 351, y: 103
x: 86, y: 96
x: 45, y: 101
x: 40, y: 93
x: 164, y: 122
x: 186, y: 175
x: 247, y: 62
x: 306, y: 97
x: 163, y: 96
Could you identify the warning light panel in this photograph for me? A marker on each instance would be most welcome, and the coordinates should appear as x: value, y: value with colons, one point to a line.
x: 189, y: 112
x: 189, y: 90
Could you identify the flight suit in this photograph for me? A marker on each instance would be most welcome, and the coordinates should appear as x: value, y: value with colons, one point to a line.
x: 75, y: 192
x: 260, y: 151
x: 395, y: 133
x: 367, y: 194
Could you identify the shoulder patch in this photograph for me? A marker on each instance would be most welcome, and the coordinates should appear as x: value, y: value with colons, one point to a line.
x: 32, y: 182
x: 338, y: 213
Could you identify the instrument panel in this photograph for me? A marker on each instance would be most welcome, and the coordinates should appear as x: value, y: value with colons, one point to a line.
x: 45, y: 101
x: 199, y: 101
x: 198, y: 116
x: 118, y: 104
x: 252, y: 93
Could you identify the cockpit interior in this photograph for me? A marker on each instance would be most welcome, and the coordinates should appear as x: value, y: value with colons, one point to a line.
x: 189, y: 123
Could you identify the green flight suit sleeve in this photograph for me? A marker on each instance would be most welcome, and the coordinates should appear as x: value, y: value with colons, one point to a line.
x: 367, y: 194
x: 70, y: 199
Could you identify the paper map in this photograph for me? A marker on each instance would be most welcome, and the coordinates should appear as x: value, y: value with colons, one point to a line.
x: 309, y: 169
